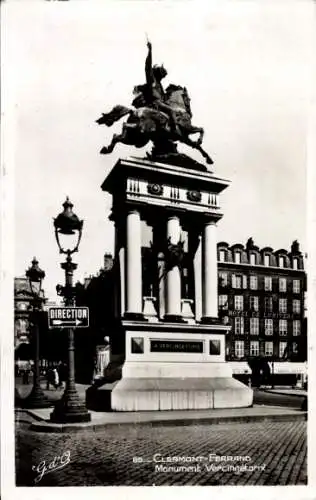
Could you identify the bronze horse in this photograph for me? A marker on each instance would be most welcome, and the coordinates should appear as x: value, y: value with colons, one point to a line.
x: 145, y: 123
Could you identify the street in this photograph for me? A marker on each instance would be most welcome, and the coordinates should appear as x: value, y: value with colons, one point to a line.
x: 266, y: 453
x: 262, y: 397
x: 273, y: 452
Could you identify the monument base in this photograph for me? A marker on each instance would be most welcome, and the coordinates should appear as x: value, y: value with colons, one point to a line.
x: 176, y: 366
x: 132, y: 394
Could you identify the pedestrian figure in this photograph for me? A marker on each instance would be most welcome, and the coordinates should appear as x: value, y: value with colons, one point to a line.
x: 49, y: 378
x: 26, y: 376
x: 56, y: 378
x: 61, y: 374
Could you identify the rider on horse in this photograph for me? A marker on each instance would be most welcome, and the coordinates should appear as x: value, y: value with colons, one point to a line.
x: 163, y: 117
x: 155, y: 93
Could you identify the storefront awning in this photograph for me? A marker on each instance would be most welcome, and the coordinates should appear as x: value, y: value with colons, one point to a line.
x: 287, y: 367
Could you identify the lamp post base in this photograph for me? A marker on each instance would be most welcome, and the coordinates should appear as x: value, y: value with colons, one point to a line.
x: 70, y: 409
x: 36, y: 399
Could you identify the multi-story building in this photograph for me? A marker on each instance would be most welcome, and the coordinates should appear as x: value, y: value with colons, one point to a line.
x: 22, y: 319
x: 22, y: 300
x: 261, y: 296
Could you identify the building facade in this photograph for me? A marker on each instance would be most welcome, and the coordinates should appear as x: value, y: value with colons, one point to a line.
x: 22, y: 300
x: 261, y: 296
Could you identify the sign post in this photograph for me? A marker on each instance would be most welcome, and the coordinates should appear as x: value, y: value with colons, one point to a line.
x: 68, y: 317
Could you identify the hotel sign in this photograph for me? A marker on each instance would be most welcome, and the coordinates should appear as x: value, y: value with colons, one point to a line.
x: 256, y: 314
x: 250, y: 314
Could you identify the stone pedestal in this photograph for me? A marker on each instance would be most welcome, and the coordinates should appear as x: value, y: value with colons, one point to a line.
x: 174, y: 354
x: 177, y: 367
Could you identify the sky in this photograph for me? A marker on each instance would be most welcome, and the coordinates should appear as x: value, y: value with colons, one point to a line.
x: 246, y: 65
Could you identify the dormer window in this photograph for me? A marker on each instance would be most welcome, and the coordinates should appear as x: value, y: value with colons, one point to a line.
x: 267, y: 260
x: 295, y: 263
x: 281, y: 261
x: 253, y: 259
x: 237, y: 257
x: 222, y: 255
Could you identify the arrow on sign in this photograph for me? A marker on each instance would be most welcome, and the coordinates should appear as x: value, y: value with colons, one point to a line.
x: 66, y: 322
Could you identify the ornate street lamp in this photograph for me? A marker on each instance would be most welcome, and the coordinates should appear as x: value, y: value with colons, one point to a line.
x: 35, y: 275
x: 70, y: 408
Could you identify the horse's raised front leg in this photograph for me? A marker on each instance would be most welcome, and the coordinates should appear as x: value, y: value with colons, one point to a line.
x: 200, y: 139
x: 196, y: 130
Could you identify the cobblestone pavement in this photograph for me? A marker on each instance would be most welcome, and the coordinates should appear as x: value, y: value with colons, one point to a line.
x: 133, y: 455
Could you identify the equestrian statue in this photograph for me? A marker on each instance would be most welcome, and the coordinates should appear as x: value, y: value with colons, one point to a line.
x: 157, y: 115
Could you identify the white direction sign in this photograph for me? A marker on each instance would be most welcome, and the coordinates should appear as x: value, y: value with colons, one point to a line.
x: 68, y: 317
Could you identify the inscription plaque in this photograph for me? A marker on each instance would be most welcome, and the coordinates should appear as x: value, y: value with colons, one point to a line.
x: 175, y: 346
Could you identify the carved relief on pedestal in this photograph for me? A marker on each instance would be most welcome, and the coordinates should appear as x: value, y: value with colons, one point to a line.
x: 166, y: 194
x: 194, y: 196
x: 155, y: 189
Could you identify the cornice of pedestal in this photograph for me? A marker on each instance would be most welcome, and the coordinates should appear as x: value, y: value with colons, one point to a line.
x: 177, y: 327
x: 155, y: 172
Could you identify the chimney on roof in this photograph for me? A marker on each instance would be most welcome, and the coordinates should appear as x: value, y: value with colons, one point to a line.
x: 295, y: 247
x: 249, y: 244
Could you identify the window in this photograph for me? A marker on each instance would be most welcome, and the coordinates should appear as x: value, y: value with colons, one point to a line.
x: 268, y: 326
x: 239, y: 302
x: 282, y: 284
x: 236, y: 281
x: 237, y: 257
x: 295, y: 348
x: 268, y: 304
x: 223, y: 279
x: 268, y: 348
x: 282, y: 348
x: 254, y: 348
x: 296, y: 306
x: 254, y: 326
x: 223, y: 301
x: 254, y: 303
x: 239, y: 326
x: 282, y: 305
x: 296, y: 327
x: 22, y: 326
x: 283, y: 327
x: 222, y: 255
x: 296, y: 286
x: 268, y: 283
x: 22, y: 306
x: 253, y: 282
x: 253, y: 259
x: 244, y: 281
x: 267, y: 260
x: 281, y: 261
x: 239, y: 348
x: 295, y: 263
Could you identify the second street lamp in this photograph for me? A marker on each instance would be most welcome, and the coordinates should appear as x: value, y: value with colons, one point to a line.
x: 70, y: 408
x: 35, y: 275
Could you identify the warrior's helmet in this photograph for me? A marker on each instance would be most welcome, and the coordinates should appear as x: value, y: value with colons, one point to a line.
x: 159, y: 71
